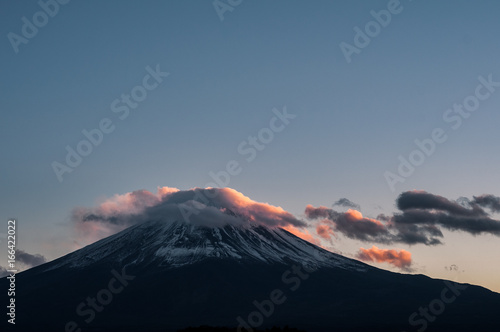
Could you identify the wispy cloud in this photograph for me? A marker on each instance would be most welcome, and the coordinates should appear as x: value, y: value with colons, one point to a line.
x: 488, y: 201
x: 344, y: 202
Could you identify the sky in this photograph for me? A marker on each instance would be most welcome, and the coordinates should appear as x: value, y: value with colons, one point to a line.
x: 351, y: 96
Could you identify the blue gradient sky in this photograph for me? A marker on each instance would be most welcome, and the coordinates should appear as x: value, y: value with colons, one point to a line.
x: 353, y: 119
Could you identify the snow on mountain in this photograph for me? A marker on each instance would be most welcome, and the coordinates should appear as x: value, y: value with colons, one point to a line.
x: 220, y: 224
x: 174, y: 244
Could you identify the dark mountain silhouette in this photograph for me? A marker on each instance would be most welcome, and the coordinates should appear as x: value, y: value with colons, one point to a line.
x: 159, y: 276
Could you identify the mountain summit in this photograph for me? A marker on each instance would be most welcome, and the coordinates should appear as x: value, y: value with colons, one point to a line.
x: 232, y: 264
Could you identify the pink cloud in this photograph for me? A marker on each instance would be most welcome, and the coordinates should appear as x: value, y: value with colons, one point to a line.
x: 210, y: 207
x: 303, y: 234
x: 400, y: 259
x: 324, y: 231
x: 350, y: 223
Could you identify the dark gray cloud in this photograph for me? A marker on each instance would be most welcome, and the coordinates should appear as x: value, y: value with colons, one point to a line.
x: 364, y: 229
x: 416, y: 234
x: 29, y: 259
x: 422, y: 208
x: 488, y: 201
x: 381, y: 230
x: 351, y: 224
x: 320, y: 212
x: 3, y: 272
x: 472, y: 225
x: 420, y: 200
x: 421, y: 219
x: 26, y: 259
x: 344, y: 202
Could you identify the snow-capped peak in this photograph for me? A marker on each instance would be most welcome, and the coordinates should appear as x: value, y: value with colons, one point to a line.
x: 176, y: 244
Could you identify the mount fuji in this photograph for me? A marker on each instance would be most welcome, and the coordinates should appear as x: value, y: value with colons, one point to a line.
x: 162, y: 275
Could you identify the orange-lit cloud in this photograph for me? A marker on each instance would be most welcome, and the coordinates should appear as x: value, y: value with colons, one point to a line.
x: 325, y: 231
x: 132, y: 202
x: 304, y: 234
x: 400, y: 259
x: 260, y: 212
x: 166, y: 191
x: 384, y: 229
x: 90, y: 232
x: 210, y: 207
x: 350, y: 223
x: 114, y: 214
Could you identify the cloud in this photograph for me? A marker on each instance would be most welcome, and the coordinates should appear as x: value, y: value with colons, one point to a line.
x: 472, y: 225
x: 422, y: 208
x: 351, y: 224
x: 210, y: 207
x: 303, y: 234
x: 346, y: 203
x: 400, y: 259
x: 3, y: 272
x: 325, y: 231
x: 422, y: 200
x: 319, y: 212
x: 29, y: 259
x: 421, y: 218
x: 488, y: 201
x: 415, y: 234
x: 25, y: 260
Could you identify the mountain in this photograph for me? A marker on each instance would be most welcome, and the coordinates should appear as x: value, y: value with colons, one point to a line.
x: 177, y: 244
x: 159, y: 276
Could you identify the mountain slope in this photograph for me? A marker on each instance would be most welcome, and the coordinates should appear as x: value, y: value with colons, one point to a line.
x: 176, y: 244
x: 160, y: 276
